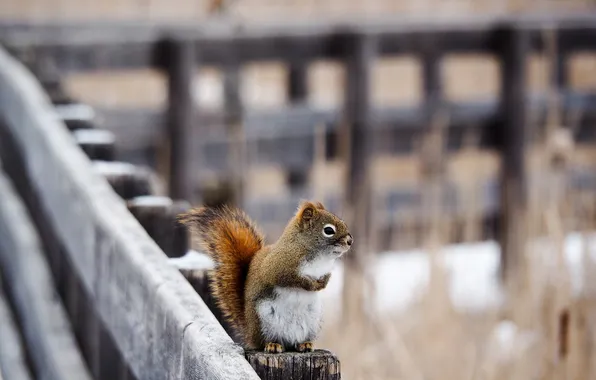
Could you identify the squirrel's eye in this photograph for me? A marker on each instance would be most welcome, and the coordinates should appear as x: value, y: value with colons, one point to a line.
x: 328, y: 230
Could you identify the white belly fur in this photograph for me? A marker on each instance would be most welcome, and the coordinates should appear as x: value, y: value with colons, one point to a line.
x: 293, y: 316
x: 318, y: 267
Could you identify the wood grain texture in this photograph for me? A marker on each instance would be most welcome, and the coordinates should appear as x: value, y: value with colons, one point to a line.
x: 158, y: 322
x: 47, y: 331
x: 13, y: 360
x: 319, y: 365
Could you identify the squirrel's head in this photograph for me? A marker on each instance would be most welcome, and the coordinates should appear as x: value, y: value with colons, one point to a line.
x: 322, y: 230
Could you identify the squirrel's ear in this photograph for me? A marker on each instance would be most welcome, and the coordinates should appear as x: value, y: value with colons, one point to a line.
x: 307, y: 211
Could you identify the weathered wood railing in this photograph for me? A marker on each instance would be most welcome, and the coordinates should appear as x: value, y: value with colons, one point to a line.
x: 29, y: 285
x: 134, y: 315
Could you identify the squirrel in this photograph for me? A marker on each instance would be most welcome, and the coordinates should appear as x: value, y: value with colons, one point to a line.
x: 269, y: 293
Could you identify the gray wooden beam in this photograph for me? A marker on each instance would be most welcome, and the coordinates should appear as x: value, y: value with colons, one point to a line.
x: 160, y: 325
x: 141, y: 127
x: 46, y: 329
x: 77, y: 47
x: 98, y: 144
x: 13, y: 359
x: 514, y: 137
x: 181, y: 68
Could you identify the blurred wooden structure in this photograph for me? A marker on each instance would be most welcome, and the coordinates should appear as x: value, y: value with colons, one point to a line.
x: 121, y: 297
x: 55, y: 50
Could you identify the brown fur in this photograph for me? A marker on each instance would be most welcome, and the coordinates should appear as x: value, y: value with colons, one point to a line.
x: 247, y: 271
x: 231, y: 239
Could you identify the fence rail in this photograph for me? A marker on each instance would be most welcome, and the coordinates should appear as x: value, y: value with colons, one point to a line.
x: 117, y: 276
x: 103, y: 46
x: 45, y: 324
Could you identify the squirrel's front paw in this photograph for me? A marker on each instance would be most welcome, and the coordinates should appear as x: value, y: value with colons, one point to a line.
x: 274, y: 348
x: 305, y: 347
x: 322, y: 282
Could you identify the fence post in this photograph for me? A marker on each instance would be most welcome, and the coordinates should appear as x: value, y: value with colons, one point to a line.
x: 513, y: 136
x: 320, y: 364
x: 432, y: 150
x: 297, y: 82
x: 181, y: 68
x: 233, y: 114
x: 158, y: 216
x: 361, y: 52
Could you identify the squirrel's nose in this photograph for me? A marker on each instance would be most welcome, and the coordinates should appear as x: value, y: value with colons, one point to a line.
x: 349, y: 240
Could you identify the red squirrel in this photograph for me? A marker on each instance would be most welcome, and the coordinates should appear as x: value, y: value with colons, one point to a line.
x: 269, y: 293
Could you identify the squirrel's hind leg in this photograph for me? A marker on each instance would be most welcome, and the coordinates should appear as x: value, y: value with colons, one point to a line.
x: 274, y: 348
x: 305, y: 347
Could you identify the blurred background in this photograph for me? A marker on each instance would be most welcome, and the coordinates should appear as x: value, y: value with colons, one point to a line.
x: 428, y: 292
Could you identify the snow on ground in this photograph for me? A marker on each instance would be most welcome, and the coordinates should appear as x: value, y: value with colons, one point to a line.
x: 399, y: 278
x: 472, y: 269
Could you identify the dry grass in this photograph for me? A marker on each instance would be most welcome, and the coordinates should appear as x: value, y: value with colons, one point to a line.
x: 543, y: 330
x: 528, y: 338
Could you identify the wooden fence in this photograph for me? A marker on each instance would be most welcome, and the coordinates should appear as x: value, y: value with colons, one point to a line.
x: 85, y: 226
x: 57, y: 49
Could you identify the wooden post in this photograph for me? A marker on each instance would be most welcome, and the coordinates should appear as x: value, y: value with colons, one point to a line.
x: 513, y: 136
x: 98, y: 144
x: 320, y: 364
x: 76, y: 116
x: 297, y: 82
x: 233, y: 115
x: 158, y: 216
x: 362, y: 50
x: 432, y: 151
x: 181, y: 71
x: 127, y: 180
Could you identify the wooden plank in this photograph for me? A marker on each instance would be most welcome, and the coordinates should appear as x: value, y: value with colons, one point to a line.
x: 357, y: 202
x: 46, y: 329
x: 76, y: 116
x: 158, y: 216
x: 127, y: 180
x: 513, y: 135
x: 181, y: 69
x: 320, y: 365
x: 297, y: 82
x: 158, y: 322
x: 237, y: 159
x: 359, y: 64
x: 141, y: 127
x: 98, y: 144
x: 13, y: 357
x: 78, y: 47
x: 196, y: 268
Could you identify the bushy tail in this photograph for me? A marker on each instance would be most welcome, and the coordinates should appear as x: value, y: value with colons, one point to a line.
x: 231, y: 239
